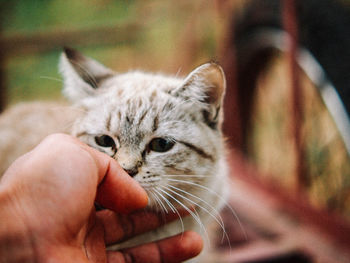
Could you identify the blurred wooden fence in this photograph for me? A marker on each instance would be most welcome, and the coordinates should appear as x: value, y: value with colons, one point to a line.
x: 25, y: 44
x: 19, y: 44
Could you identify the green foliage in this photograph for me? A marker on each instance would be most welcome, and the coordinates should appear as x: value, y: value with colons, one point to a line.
x: 33, y: 77
x: 40, y: 15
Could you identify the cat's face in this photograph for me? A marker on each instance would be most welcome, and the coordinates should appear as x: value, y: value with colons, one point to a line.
x: 164, y: 131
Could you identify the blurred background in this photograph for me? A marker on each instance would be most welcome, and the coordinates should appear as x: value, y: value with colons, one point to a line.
x: 285, y: 63
x: 149, y: 35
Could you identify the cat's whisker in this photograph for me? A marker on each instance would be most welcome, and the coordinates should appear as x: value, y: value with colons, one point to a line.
x: 217, y: 217
x: 184, y: 206
x: 193, y: 202
x: 173, y: 208
x: 154, y: 196
x: 167, y: 202
x: 157, y: 195
x: 174, y: 211
x: 194, y: 215
x: 160, y: 201
x: 220, y: 197
x: 51, y: 78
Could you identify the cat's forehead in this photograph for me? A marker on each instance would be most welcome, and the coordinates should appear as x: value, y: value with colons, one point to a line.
x: 135, y: 102
x: 133, y: 93
x: 140, y: 84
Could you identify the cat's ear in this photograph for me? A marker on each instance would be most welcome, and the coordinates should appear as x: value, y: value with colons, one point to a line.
x: 81, y: 75
x: 206, y: 85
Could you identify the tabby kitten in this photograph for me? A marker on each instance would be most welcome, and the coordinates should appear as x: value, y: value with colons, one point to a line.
x: 164, y: 131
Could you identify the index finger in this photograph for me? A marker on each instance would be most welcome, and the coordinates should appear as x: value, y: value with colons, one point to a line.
x: 119, y: 228
x: 170, y: 250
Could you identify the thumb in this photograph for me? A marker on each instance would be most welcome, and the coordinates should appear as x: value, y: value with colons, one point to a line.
x: 117, y: 191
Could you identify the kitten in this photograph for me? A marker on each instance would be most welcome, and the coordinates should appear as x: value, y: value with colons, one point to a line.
x: 164, y: 131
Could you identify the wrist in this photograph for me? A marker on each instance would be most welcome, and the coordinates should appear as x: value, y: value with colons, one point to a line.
x: 15, y: 240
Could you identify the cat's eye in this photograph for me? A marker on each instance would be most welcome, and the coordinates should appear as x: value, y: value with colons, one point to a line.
x: 105, y: 141
x: 161, y: 144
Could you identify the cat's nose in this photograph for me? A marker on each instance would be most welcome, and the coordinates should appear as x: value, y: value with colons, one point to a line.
x: 132, y: 172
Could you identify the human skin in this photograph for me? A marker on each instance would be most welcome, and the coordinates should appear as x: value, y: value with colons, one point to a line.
x: 47, y: 209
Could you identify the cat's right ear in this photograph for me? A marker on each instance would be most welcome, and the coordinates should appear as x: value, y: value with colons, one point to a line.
x: 206, y: 87
x: 81, y: 75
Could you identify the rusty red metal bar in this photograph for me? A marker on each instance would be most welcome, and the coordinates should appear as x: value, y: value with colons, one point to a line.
x: 331, y: 225
x: 296, y: 95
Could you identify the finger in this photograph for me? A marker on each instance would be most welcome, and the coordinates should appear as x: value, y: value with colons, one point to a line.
x: 174, y: 249
x: 118, y: 227
x: 117, y: 190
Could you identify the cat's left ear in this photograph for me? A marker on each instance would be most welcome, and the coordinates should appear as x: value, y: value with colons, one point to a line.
x: 206, y: 85
x: 82, y: 75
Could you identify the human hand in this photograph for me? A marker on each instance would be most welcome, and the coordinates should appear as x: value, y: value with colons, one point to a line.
x: 47, y: 209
